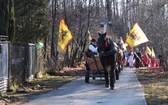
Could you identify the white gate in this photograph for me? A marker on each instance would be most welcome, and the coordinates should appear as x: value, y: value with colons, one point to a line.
x: 3, y: 66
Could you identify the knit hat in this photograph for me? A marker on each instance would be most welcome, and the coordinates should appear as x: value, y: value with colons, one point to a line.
x: 93, y: 40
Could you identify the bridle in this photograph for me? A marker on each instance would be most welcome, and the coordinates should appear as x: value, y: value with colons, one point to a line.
x: 105, y: 45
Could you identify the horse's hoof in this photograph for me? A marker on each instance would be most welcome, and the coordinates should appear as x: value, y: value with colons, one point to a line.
x: 106, y: 85
x: 111, y: 88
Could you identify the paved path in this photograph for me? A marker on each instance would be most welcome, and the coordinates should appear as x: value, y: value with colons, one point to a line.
x: 127, y: 92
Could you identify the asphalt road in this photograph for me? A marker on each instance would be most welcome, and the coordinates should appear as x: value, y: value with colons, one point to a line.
x: 127, y: 91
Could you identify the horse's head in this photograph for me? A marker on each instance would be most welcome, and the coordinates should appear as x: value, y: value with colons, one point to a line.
x: 104, y: 43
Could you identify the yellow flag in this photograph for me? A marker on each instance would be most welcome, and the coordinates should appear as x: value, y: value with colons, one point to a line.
x: 148, y: 50
x: 125, y: 46
x: 64, y: 36
x: 136, y: 36
x: 90, y: 36
x: 152, y: 53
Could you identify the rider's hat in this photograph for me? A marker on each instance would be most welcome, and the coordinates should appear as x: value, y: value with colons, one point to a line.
x: 93, y: 40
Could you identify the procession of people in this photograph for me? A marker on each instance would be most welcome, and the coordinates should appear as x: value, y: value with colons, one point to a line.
x: 136, y: 59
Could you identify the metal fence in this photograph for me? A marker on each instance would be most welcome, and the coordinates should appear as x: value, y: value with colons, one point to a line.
x: 32, y: 61
x: 17, y: 59
x: 3, y: 66
x: 18, y: 64
x: 23, y: 66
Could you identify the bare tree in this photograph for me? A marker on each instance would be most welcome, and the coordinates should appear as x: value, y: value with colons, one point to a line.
x: 84, y: 15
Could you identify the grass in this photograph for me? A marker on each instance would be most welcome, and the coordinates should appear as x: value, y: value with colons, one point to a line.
x: 35, y: 87
x: 53, y: 82
x: 155, y: 84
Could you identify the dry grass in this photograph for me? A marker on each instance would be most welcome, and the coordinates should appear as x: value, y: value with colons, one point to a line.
x: 155, y: 83
x: 37, y: 86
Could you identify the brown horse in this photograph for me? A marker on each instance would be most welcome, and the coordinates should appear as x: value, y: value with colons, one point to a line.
x: 120, y: 58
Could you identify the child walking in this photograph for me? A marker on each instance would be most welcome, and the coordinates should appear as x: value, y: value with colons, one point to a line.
x: 131, y: 59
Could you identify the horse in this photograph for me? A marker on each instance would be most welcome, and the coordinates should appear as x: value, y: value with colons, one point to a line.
x: 107, y: 54
x: 120, y: 58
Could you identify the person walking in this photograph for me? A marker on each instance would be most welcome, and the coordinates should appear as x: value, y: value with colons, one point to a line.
x: 145, y: 59
x: 126, y: 58
x: 137, y: 56
x: 131, y: 59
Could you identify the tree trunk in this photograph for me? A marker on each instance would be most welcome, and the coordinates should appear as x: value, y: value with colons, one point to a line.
x: 11, y: 29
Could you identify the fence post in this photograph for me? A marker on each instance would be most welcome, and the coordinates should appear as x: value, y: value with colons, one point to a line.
x: 9, y: 66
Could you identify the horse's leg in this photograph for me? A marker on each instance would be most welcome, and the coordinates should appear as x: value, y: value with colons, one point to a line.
x: 112, y: 75
x: 122, y: 63
x: 112, y: 78
x: 119, y: 67
x: 106, y: 76
x: 117, y: 72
